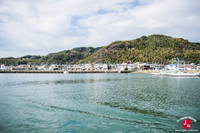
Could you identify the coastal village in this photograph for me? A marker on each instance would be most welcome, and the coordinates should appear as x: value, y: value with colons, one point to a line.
x: 148, y: 53
x: 100, y: 67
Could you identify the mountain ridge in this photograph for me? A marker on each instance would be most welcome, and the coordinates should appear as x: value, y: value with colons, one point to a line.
x: 153, y: 48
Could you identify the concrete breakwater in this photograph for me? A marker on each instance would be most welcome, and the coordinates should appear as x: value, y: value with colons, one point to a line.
x: 31, y: 71
x: 103, y: 71
x: 61, y: 71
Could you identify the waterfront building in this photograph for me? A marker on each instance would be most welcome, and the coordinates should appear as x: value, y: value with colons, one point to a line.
x: 3, y: 67
x: 105, y: 67
x: 53, y: 67
x: 122, y: 66
x: 24, y: 67
x: 172, y: 67
x: 198, y: 67
x: 43, y: 67
x: 158, y: 67
x: 131, y: 67
x: 98, y: 67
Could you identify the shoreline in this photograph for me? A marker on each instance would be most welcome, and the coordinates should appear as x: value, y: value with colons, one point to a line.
x: 92, y: 71
x: 31, y: 71
x: 61, y: 71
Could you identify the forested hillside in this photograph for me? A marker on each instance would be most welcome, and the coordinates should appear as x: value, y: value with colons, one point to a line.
x: 151, y: 49
x: 64, y: 57
x: 154, y: 48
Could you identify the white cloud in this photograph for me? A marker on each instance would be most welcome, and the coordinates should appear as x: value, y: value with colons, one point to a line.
x: 43, y: 26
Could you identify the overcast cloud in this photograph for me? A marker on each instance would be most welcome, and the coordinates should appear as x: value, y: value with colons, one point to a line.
x: 39, y: 27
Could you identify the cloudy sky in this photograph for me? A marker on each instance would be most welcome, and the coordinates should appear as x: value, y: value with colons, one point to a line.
x: 39, y: 27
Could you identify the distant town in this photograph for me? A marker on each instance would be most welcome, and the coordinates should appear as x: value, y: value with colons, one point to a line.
x: 99, y: 67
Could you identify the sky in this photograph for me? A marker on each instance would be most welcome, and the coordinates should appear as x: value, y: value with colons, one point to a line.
x: 39, y: 27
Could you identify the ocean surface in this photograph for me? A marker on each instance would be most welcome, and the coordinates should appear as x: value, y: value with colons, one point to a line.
x: 99, y: 103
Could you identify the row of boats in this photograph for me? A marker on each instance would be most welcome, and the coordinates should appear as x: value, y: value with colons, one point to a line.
x: 176, y: 74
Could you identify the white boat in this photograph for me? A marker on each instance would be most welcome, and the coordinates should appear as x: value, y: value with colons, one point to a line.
x: 177, y: 74
x: 161, y: 73
x: 184, y: 74
x: 65, y: 72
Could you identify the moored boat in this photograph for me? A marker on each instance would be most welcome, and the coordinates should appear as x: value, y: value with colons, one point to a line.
x: 184, y: 74
x: 65, y: 72
x: 161, y: 73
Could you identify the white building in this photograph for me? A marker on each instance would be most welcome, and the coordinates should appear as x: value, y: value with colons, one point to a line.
x: 88, y: 67
x: 53, y: 67
x: 172, y: 66
x: 3, y: 67
x: 198, y: 66
x: 24, y: 67
x: 105, y: 67
x: 43, y: 67
x: 98, y: 67
x: 131, y: 67
x: 123, y: 66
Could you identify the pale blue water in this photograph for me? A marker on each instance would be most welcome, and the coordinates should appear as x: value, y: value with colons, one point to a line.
x: 86, y: 103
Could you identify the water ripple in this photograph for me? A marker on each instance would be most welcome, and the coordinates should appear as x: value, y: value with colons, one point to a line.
x: 136, y: 110
x: 59, y: 82
x: 130, y: 121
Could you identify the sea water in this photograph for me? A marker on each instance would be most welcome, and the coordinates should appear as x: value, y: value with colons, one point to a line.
x: 86, y: 103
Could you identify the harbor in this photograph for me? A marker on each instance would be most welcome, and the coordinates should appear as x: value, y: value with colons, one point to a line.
x: 136, y: 67
x: 85, y: 66
x: 177, y: 71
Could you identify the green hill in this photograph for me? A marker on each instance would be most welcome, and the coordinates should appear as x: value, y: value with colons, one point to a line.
x: 154, y: 48
x: 69, y: 56
x: 64, y: 57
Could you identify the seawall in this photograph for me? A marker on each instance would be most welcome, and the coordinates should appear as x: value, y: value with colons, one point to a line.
x: 31, y: 71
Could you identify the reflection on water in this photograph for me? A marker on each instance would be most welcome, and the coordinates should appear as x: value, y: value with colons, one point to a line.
x: 96, y: 102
